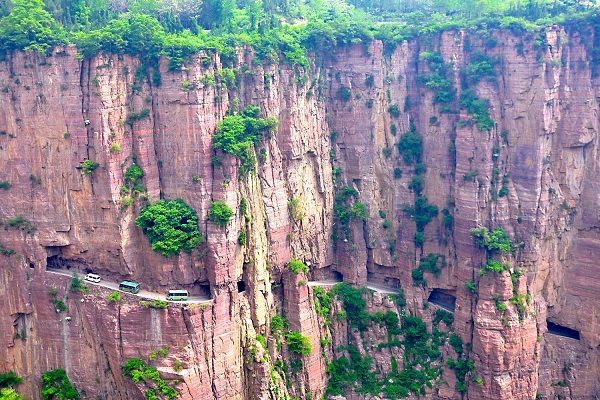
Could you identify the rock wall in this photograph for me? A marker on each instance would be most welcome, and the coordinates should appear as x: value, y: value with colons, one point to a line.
x: 58, y: 111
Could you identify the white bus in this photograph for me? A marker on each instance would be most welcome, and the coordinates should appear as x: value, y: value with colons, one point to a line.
x: 177, y: 295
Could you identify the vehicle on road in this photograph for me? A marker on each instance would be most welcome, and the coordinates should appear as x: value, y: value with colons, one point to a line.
x: 92, y: 278
x: 130, y: 287
x: 177, y: 295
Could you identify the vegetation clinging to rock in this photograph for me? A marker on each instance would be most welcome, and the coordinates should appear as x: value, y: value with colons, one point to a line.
x: 170, y: 226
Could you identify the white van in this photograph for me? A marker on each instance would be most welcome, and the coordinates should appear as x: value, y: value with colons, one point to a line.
x: 92, y: 278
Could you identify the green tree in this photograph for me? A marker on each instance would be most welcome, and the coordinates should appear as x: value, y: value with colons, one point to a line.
x: 298, y: 343
x: 9, y: 379
x: 56, y: 385
x: 29, y: 27
x: 220, y: 213
x: 170, y: 226
x: 9, y: 394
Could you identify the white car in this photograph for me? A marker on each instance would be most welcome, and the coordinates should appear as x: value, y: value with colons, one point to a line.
x: 92, y: 278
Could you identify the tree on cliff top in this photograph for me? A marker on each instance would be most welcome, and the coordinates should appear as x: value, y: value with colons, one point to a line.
x: 170, y: 226
x: 29, y: 27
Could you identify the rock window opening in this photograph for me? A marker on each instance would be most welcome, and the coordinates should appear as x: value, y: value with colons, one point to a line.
x: 241, y: 286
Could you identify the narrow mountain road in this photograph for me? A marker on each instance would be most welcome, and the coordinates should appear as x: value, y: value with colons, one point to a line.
x: 375, y: 287
x: 143, y: 293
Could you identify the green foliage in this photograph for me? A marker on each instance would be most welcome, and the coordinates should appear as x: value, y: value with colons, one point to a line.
x: 358, y: 211
x: 5, y: 185
x: 242, y: 238
x: 9, y: 394
x: 56, y: 385
x: 137, y: 116
x: 163, y: 351
x: 471, y: 286
x: 115, y: 148
x: 456, y: 343
x: 461, y: 368
x: 343, y: 94
x: 59, y: 305
x: 158, y: 304
x: 416, y: 184
x: 170, y: 226
x: 278, y: 323
x: 20, y: 223
x: 114, y: 296
x: 481, y: 66
x: 422, y: 212
x: 220, y: 213
x: 261, y: 339
x: 295, y: 209
x: 432, y: 263
x: 297, y: 266
x: 355, y: 373
x: 496, y: 241
x: 496, y: 266
x: 394, y: 110
x: 520, y: 301
x: 323, y: 302
x: 137, y: 370
x: 471, y: 175
x: 5, y: 251
x: 436, y: 81
x: 76, y: 284
x: 9, y: 379
x: 410, y: 147
x: 88, y: 166
x: 447, y: 219
x: 29, y: 27
x: 298, y: 343
x: 354, y: 305
x: 443, y: 316
x: 478, y: 108
x: 344, y: 373
x: 133, y: 178
x: 397, y: 173
x: 346, y: 210
x: 237, y: 134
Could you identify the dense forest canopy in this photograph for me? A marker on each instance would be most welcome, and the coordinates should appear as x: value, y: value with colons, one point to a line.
x: 274, y: 28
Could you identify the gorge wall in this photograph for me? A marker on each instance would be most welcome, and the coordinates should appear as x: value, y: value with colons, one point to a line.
x: 336, y: 129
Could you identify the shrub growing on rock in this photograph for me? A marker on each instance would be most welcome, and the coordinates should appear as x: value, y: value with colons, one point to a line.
x: 298, y: 343
x: 170, y: 226
x: 56, y: 385
x: 220, y: 213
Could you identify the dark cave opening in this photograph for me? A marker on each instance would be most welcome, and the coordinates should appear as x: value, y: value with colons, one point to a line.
x: 559, y: 330
x: 241, y: 286
x: 443, y: 298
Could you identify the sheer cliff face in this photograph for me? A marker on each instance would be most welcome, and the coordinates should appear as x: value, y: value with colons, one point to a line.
x: 59, y: 111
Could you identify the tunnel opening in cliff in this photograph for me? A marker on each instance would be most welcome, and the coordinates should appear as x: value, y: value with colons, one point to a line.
x: 559, y: 330
x: 55, y: 259
x: 56, y: 262
x: 445, y: 299
x: 327, y: 274
x: 204, y: 290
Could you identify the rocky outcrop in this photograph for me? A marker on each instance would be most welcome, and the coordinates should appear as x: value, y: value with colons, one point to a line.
x: 336, y: 129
